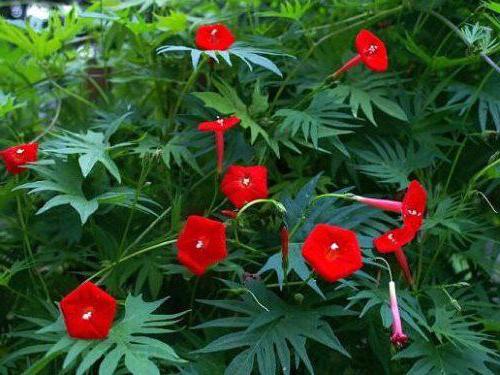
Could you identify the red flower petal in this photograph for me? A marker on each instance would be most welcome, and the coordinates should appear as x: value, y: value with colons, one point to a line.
x: 17, y: 156
x: 333, y: 252
x: 221, y: 124
x: 201, y: 244
x: 88, y: 312
x: 242, y: 185
x: 214, y: 37
x: 394, y: 239
x: 372, y: 51
x: 413, y: 207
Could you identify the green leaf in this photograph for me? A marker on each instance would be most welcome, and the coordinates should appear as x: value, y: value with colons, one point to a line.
x: 92, y: 148
x: 271, y: 333
x: 391, y: 162
x: 487, y: 101
x: 127, y: 342
x: 369, y: 90
x: 228, y: 102
x: 323, y: 118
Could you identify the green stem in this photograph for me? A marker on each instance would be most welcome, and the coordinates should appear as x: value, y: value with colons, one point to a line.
x: 279, y: 206
x: 128, y: 257
x: 346, y: 196
x: 189, y: 84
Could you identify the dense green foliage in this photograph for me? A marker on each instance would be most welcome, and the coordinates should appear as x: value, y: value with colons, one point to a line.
x: 122, y: 166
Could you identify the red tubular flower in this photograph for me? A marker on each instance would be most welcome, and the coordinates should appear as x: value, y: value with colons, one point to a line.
x: 412, y: 207
x: 214, y: 37
x: 242, y: 185
x: 201, y: 244
x: 398, y: 338
x: 88, y: 312
x: 371, y: 52
x: 219, y: 127
x: 333, y: 252
x: 393, y: 242
x: 17, y: 156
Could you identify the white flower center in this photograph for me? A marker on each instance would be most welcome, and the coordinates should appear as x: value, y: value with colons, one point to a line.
x: 87, y: 315
x: 213, y: 32
x: 372, y: 49
x: 199, y: 244
x: 391, y: 237
x: 20, y: 151
x: 246, y: 181
x: 334, y: 246
x: 413, y: 212
x: 220, y: 122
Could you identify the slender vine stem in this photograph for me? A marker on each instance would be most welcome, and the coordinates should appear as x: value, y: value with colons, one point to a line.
x: 128, y: 257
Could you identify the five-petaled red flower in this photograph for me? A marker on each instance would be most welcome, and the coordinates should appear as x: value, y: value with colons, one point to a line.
x: 17, y: 156
x: 201, y: 243
x: 88, y: 312
x: 371, y: 52
x: 214, y: 37
x: 219, y: 127
x: 333, y: 252
x: 243, y: 185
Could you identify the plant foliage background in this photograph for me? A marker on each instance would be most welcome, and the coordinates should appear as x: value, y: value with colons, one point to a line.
x: 122, y: 165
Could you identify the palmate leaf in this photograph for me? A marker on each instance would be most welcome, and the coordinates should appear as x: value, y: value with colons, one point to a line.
x: 228, y: 102
x: 128, y: 342
x: 270, y: 336
x: 446, y: 359
x: 296, y: 264
x: 487, y: 99
x: 181, y: 149
x: 92, y: 148
x: 65, y: 180
x: 323, y: 118
x: 43, y: 43
x: 8, y: 104
x: 368, y: 91
x: 249, y: 55
x: 391, y: 163
x: 294, y: 10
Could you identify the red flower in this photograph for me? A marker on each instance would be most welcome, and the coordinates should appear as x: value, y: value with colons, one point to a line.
x: 393, y: 242
x: 333, y: 252
x: 394, y: 239
x: 214, y: 37
x: 88, y: 312
x: 17, y: 156
x: 371, y: 52
x: 219, y: 127
x: 245, y: 184
x: 413, y: 206
x: 201, y: 244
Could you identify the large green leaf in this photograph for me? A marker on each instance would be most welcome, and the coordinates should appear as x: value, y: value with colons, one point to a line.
x: 270, y: 331
x: 128, y: 343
